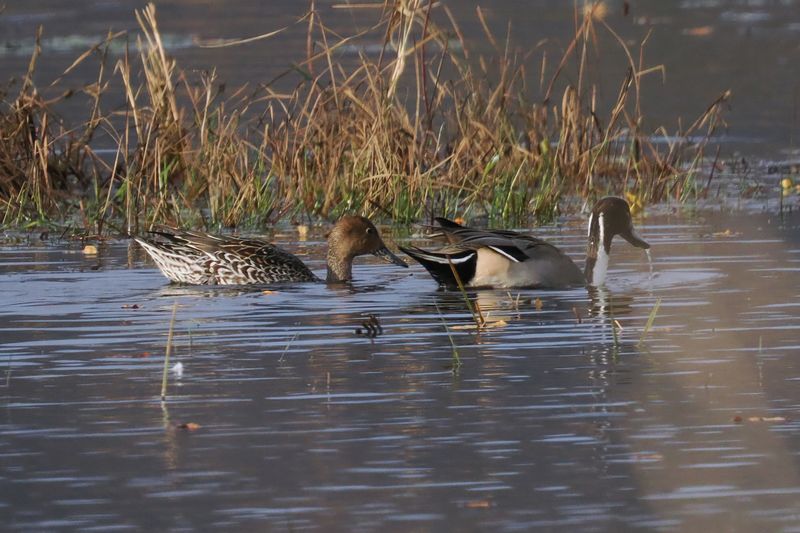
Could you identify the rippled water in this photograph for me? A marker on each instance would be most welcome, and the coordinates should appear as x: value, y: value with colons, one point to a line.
x: 306, y: 425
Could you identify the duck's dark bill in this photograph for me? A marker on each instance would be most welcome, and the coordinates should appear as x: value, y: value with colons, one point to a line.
x: 634, y: 239
x: 389, y: 257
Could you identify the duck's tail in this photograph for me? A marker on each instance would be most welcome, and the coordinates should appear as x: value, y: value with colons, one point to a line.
x: 442, y: 266
x: 179, y: 264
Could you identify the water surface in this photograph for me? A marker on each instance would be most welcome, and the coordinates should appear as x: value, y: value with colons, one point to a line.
x: 305, y: 425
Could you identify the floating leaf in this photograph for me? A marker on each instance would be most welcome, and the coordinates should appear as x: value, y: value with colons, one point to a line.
x: 478, y: 504
x: 727, y: 233
x: 647, y: 457
x: 486, y: 325
x: 537, y: 303
x: 302, y: 232
x: 90, y: 249
x: 189, y: 426
x: 699, y: 31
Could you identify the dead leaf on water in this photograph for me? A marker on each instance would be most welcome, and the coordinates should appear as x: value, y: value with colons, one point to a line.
x: 699, y: 31
x: 302, y: 232
x: 487, y: 325
x: 189, y: 426
x: 90, y: 249
x: 647, y: 457
x: 726, y: 234
x: 478, y: 504
x: 141, y: 355
x: 537, y: 303
x: 268, y: 292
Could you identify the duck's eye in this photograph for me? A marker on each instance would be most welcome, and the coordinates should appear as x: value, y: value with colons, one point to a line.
x: 369, y: 230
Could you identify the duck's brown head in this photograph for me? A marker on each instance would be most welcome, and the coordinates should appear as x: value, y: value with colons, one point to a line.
x: 350, y: 237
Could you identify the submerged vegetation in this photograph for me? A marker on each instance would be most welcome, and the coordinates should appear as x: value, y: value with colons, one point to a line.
x: 423, y: 127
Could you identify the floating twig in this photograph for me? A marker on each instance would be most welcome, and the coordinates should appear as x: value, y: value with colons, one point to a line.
x: 614, y: 323
x: 167, y: 352
x: 288, y: 345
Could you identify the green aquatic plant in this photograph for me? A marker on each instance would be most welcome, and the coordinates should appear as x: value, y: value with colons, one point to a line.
x: 456, y: 358
x: 650, y: 319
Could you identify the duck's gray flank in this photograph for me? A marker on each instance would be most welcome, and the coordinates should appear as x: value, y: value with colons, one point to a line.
x: 507, y: 259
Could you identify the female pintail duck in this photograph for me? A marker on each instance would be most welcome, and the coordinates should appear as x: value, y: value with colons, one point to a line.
x: 201, y: 259
x: 507, y: 259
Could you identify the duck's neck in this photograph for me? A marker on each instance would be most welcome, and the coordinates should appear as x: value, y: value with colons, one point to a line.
x: 340, y: 268
x: 596, y: 267
x: 597, y: 252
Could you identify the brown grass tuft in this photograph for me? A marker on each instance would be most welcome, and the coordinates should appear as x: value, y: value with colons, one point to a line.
x: 424, y: 128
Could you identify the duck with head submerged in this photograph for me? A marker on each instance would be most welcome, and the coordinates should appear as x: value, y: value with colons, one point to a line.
x: 198, y: 258
x: 507, y: 259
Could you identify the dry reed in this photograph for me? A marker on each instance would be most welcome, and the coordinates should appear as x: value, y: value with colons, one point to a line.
x: 424, y: 128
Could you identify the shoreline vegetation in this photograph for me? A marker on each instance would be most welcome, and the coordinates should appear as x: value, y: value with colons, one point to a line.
x: 423, y: 128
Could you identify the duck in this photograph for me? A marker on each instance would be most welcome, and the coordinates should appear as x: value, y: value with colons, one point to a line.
x: 197, y: 258
x: 506, y: 259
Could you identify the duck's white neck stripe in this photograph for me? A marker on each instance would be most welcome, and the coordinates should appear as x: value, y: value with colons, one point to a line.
x: 601, y: 265
x: 600, y: 268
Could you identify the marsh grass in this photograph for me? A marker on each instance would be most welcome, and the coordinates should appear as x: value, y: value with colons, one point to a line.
x: 650, y: 319
x: 455, y: 357
x: 425, y: 128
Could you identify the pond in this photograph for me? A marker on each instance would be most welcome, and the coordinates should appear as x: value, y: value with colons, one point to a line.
x: 283, y: 417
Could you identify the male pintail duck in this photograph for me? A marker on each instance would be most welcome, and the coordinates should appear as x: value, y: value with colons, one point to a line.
x: 201, y: 259
x: 507, y: 259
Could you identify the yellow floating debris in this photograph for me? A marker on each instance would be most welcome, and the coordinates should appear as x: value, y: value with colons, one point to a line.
x: 486, y: 325
x: 302, y: 232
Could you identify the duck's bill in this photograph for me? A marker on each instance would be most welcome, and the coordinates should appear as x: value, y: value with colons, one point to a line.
x: 634, y: 239
x: 384, y: 253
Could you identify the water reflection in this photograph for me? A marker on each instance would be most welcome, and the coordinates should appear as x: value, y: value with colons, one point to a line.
x: 303, y: 423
